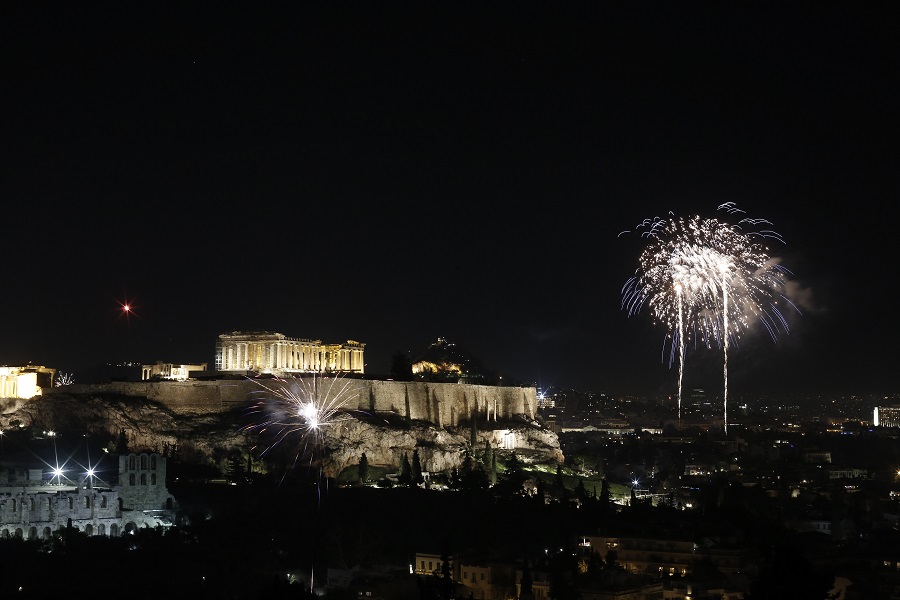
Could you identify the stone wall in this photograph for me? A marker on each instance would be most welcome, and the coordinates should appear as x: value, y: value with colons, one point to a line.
x: 33, y: 508
x: 142, y: 482
x: 447, y: 404
x: 443, y: 404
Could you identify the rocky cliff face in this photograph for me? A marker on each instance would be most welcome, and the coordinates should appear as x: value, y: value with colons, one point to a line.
x: 210, y: 438
x: 440, y: 449
x: 146, y: 425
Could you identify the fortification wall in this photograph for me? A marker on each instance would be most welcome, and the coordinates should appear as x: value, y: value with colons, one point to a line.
x: 178, y: 396
x: 444, y: 404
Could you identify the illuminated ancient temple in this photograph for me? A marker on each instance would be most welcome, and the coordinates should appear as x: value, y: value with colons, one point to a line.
x: 277, y: 354
x: 25, y: 382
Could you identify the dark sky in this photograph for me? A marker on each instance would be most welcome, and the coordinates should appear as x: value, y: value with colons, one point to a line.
x: 395, y: 172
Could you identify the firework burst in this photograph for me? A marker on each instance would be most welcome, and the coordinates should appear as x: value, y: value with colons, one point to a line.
x: 709, y: 279
x: 64, y: 379
x: 298, y: 412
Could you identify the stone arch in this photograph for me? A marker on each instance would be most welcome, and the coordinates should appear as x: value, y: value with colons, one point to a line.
x: 101, y: 529
x: 32, y: 533
x: 89, y: 529
x: 18, y: 533
x: 114, y: 530
x: 47, y: 534
x: 130, y: 528
x: 4, y: 534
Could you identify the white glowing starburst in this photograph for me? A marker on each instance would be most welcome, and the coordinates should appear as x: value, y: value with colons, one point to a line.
x: 64, y: 379
x: 298, y: 410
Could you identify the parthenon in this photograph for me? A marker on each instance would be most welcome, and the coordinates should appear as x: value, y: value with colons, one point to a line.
x: 275, y: 353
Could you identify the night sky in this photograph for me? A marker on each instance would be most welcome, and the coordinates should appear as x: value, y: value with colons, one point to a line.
x: 392, y: 173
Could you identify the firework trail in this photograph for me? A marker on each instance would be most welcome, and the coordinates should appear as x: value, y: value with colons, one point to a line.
x: 298, y: 411
x: 709, y: 277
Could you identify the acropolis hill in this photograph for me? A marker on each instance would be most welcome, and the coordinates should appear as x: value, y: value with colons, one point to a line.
x: 383, y: 419
x: 265, y: 375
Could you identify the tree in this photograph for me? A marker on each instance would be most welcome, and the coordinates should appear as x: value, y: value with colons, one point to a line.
x: 122, y: 442
x: 362, y: 469
x: 473, y: 434
x: 445, y: 577
x: 475, y: 477
x: 405, y: 477
x: 487, y: 458
x: 417, y: 477
x: 563, y: 568
x: 580, y: 491
x: 401, y: 368
x: 540, y: 494
x: 514, y: 467
x: 467, y: 464
x: 559, y: 485
x: 493, y: 474
x: 526, y: 589
x: 788, y: 573
x: 513, y: 478
x: 605, y: 500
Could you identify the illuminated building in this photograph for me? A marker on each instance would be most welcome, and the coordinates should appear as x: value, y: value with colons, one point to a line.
x: 445, y: 361
x: 25, y: 382
x: 887, y: 416
x: 545, y: 401
x: 665, y: 556
x: 34, y: 504
x: 277, y: 354
x: 169, y: 371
